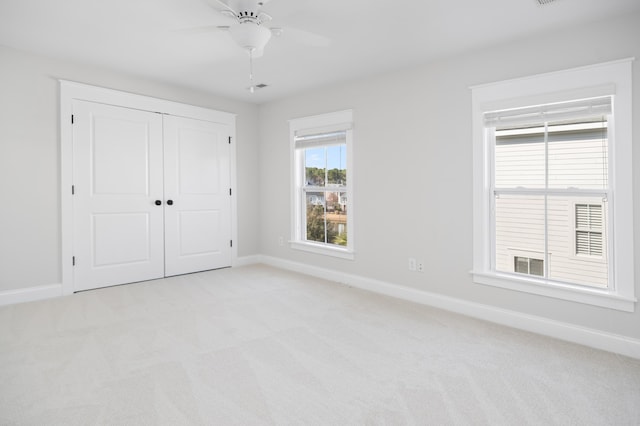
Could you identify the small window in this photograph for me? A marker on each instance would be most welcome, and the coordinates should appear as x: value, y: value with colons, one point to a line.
x: 325, y: 182
x: 527, y: 265
x: 589, y: 229
x: 322, y: 186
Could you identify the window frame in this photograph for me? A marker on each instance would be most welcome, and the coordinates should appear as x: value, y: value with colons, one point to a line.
x: 323, y: 123
x: 607, y: 79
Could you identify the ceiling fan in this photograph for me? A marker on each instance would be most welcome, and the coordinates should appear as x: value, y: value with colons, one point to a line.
x: 249, y: 32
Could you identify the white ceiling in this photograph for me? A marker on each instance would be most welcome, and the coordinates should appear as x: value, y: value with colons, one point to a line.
x: 164, y: 40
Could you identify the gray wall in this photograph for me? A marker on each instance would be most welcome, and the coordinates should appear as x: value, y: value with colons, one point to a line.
x: 30, y: 160
x: 413, y: 177
x: 413, y: 167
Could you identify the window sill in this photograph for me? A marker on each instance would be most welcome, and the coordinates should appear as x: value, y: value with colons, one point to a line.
x: 589, y: 296
x: 322, y: 249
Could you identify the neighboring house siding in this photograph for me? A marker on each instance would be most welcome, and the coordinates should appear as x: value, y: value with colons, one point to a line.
x: 520, y: 232
x: 520, y: 219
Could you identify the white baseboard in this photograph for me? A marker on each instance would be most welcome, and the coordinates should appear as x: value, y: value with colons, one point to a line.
x: 569, y: 332
x: 30, y: 294
x: 560, y: 330
x: 10, y: 297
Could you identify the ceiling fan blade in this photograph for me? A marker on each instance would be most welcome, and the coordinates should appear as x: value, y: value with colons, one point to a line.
x: 226, y: 7
x: 303, y: 37
x: 276, y: 31
x: 264, y: 17
x: 199, y: 30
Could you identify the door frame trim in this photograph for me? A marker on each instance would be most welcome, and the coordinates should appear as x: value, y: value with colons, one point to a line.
x: 70, y: 91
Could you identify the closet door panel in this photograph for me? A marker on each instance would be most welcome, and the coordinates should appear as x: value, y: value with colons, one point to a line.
x: 198, y: 209
x: 117, y: 167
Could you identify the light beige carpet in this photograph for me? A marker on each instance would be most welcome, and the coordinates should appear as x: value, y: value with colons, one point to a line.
x: 257, y: 345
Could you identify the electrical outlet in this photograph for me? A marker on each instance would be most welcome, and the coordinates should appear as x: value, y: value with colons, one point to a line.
x: 412, y: 264
x: 280, y: 240
x: 420, y: 266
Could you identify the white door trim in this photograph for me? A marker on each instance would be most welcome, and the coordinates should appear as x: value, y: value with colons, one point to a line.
x: 69, y: 91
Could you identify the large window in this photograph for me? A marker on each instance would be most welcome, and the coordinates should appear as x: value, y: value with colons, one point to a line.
x: 552, y: 185
x: 321, y: 190
x: 546, y: 159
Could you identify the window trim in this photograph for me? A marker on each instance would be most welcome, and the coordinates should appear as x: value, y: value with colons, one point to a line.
x: 611, y: 78
x: 340, y: 120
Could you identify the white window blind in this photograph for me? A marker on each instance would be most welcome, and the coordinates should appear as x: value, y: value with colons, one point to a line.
x: 563, y: 111
x: 313, y: 140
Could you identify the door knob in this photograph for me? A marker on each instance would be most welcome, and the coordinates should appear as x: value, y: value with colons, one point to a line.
x: 170, y: 202
x: 158, y: 202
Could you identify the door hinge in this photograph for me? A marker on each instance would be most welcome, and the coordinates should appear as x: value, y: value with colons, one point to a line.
x: 229, y: 139
x: 73, y: 189
x: 71, y: 118
x: 73, y: 261
x: 230, y: 243
x: 229, y: 191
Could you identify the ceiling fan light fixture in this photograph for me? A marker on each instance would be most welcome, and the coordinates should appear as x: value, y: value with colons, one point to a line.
x: 250, y: 36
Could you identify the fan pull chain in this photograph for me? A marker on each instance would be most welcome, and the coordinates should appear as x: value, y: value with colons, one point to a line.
x: 251, y: 86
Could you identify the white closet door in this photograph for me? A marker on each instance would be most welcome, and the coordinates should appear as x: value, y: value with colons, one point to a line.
x: 117, y: 176
x: 198, y: 203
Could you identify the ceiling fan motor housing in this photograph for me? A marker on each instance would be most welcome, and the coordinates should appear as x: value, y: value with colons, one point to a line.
x: 248, y: 16
x: 246, y: 7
